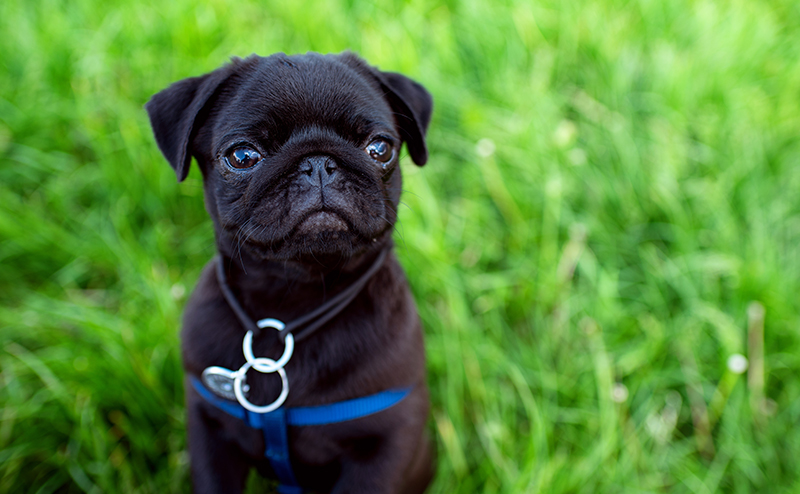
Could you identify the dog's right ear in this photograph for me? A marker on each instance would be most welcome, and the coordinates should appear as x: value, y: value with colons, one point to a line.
x: 177, y: 111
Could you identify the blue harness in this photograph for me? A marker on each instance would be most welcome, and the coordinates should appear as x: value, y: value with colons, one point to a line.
x: 273, y: 424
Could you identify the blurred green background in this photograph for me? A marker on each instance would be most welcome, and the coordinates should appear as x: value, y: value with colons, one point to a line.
x: 610, y: 212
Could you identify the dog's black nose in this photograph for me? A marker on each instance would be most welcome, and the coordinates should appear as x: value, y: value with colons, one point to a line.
x: 320, y: 169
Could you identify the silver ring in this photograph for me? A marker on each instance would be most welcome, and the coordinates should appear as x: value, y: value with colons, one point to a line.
x: 270, y: 323
x: 247, y: 348
x: 237, y: 386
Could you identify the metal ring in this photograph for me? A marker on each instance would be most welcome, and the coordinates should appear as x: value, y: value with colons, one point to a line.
x: 247, y: 348
x: 237, y: 386
x: 270, y: 323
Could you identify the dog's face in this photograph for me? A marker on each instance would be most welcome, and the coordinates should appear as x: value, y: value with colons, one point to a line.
x: 299, y: 154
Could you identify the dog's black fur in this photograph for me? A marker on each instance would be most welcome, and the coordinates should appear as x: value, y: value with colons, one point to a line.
x: 294, y: 229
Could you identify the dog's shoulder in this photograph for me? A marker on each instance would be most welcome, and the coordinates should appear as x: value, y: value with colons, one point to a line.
x: 208, y: 323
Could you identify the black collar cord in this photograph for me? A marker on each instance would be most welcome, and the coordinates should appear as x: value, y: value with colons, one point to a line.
x: 314, y: 319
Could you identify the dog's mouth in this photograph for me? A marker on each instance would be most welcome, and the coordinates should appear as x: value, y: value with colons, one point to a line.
x: 318, y: 231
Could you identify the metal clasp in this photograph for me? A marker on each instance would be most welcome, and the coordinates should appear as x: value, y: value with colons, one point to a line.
x: 260, y: 364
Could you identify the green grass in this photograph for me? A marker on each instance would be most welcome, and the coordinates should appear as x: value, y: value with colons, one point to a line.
x: 634, y: 191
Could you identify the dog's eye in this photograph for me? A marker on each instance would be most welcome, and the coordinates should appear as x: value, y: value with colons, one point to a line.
x: 380, y: 150
x: 243, y: 157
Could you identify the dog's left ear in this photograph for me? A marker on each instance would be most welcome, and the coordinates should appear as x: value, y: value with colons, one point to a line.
x: 175, y: 112
x: 412, y: 105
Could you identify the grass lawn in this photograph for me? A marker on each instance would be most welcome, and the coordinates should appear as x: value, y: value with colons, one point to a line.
x: 611, y: 211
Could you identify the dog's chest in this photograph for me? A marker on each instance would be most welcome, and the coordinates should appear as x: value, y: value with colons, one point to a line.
x: 213, y: 337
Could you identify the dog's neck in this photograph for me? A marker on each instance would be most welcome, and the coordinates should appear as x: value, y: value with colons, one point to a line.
x: 285, y: 289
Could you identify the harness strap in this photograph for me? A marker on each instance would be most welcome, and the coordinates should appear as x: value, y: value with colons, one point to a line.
x: 276, y: 444
x: 273, y: 424
x: 346, y: 410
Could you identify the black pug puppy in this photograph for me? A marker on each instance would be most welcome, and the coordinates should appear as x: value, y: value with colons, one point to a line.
x: 325, y: 392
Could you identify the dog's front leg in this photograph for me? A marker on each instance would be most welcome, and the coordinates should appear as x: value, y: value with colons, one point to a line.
x: 397, y: 466
x: 396, y: 460
x: 217, y: 464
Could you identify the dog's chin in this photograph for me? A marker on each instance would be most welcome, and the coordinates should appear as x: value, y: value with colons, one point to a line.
x: 322, y: 237
x: 329, y: 248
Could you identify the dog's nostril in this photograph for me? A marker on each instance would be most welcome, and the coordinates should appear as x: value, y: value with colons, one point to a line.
x: 313, y: 165
x: 306, y: 167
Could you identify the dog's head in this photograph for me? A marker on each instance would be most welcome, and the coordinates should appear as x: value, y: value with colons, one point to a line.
x: 299, y: 154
